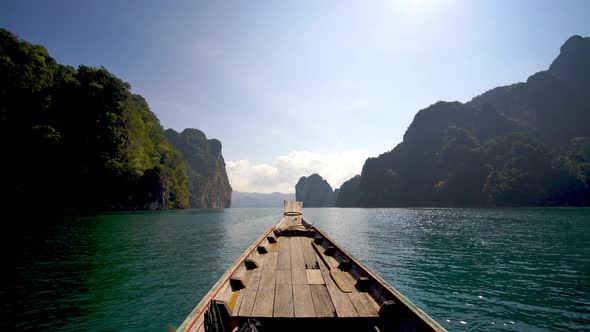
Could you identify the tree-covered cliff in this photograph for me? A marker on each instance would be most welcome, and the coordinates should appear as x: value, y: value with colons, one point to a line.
x: 524, y: 144
x: 208, y: 182
x: 78, y: 138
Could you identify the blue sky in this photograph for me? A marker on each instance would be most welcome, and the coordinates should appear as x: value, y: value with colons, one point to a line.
x: 296, y: 87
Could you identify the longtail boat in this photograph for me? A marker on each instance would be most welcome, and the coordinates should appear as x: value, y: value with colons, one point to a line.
x: 295, y: 278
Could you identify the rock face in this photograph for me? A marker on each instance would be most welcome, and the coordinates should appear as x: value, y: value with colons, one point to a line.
x: 349, y: 193
x: 314, y: 191
x: 79, y: 138
x: 208, y: 182
x: 522, y: 144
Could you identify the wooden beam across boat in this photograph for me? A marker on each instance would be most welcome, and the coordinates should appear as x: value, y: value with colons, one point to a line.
x: 294, y: 277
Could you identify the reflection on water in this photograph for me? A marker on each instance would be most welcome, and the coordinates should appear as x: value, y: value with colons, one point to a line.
x: 483, y: 269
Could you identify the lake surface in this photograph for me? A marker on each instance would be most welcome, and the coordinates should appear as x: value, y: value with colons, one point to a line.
x: 470, y: 269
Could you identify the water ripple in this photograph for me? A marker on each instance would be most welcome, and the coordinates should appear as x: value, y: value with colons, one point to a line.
x: 470, y: 269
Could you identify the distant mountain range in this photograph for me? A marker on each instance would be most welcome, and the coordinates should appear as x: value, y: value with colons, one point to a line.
x: 254, y: 200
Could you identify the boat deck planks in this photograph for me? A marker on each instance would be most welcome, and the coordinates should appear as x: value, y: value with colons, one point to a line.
x: 247, y: 296
x: 297, y: 262
x: 283, y: 306
x: 283, y: 277
x: 309, y: 257
x: 299, y: 278
x: 271, y: 260
x: 284, y: 260
x: 364, y: 304
x: 314, y: 277
x: 303, y: 301
x: 263, y: 306
x: 322, y: 303
x: 342, y: 303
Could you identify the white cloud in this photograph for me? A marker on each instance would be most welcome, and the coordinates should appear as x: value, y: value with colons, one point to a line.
x: 283, y: 173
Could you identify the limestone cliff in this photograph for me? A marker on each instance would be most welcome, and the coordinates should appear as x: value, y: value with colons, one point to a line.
x: 208, y: 182
x: 314, y: 191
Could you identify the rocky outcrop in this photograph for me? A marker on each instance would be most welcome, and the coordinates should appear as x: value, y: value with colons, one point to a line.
x: 208, y: 182
x: 524, y: 144
x: 314, y: 191
x: 349, y: 193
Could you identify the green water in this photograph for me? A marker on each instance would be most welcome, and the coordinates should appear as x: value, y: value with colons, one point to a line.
x: 470, y: 269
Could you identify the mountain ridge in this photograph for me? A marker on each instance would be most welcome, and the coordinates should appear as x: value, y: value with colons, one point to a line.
x: 520, y: 144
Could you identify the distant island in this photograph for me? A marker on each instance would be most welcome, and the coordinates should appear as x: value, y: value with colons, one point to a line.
x: 79, y: 139
x: 314, y: 191
x: 526, y: 144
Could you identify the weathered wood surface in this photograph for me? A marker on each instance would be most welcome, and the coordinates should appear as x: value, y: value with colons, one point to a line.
x: 293, y: 207
x: 247, y: 297
x: 196, y: 314
x: 341, y: 301
x: 302, y: 301
x: 264, y: 304
x: 314, y: 277
x: 284, y: 261
x: 364, y: 304
x: 297, y: 262
x: 322, y: 303
x: 283, y: 306
x: 309, y: 257
x: 271, y: 260
x: 283, y: 277
x: 299, y: 278
x: 340, y: 279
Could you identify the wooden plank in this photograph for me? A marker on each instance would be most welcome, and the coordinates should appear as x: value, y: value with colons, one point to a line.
x: 284, y: 260
x: 309, y: 257
x: 297, y: 262
x: 322, y: 303
x: 259, y: 259
x: 283, y: 277
x: 314, y: 277
x: 340, y: 280
x: 273, y: 247
x: 199, y: 324
x: 364, y: 304
x: 263, y: 306
x: 302, y: 301
x: 299, y: 277
x: 283, y: 301
x: 190, y: 321
x: 224, y: 293
x: 271, y: 260
x: 247, y: 297
x: 267, y: 277
x: 342, y: 304
x: 328, y: 260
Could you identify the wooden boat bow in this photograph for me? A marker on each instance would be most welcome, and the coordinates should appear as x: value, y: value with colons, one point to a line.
x: 294, y: 277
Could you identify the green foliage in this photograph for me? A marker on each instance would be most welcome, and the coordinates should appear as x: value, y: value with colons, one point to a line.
x: 523, y: 144
x: 208, y: 182
x: 83, y: 140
